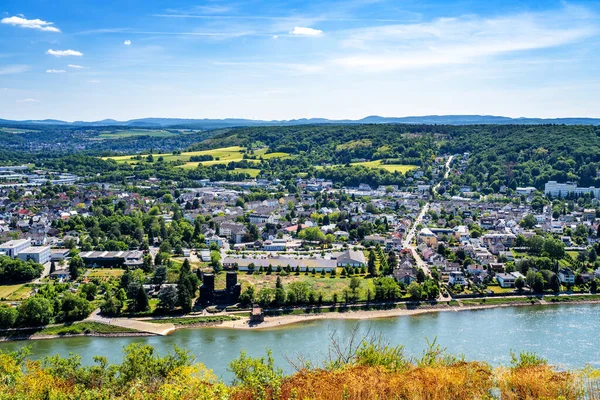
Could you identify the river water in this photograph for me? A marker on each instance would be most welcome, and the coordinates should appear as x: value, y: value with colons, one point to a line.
x: 567, y: 335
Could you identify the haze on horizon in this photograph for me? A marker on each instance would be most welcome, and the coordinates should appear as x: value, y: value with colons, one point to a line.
x: 86, y: 60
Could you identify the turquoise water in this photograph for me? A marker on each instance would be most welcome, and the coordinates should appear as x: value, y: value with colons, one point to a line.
x: 566, y: 335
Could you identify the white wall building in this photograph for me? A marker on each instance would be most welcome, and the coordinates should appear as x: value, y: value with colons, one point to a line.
x: 556, y: 189
x: 38, y: 254
x: 14, y: 247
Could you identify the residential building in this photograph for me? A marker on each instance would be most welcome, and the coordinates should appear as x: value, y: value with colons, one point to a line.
x: 506, y: 280
x: 566, y: 276
x: 351, y: 258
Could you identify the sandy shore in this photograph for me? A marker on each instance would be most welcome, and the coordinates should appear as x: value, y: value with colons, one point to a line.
x: 279, y: 321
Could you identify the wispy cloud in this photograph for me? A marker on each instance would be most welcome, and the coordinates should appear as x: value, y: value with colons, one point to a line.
x: 127, y: 42
x: 75, y: 66
x: 293, y: 67
x: 304, y: 31
x: 461, y: 40
x: 13, y: 69
x: 64, y: 53
x: 55, y: 71
x: 29, y: 100
x: 30, y: 23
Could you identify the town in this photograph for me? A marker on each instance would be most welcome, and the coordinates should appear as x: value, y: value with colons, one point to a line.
x: 225, y: 246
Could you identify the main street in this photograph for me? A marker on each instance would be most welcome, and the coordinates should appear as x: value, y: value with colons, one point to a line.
x: 409, y: 240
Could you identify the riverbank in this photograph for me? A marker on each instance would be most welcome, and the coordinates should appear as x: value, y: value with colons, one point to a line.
x: 237, y: 322
x: 284, y: 320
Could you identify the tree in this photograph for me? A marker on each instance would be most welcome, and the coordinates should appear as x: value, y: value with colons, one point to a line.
x: 8, y: 317
x: 555, y: 283
x: 141, y: 300
x: 354, y: 286
x: 75, y: 308
x: 420, y: 275
x: 415, y: 291
x: 247, y: 296
x: 519, y: 283
x: 538, y: 283
x: 592, y: 256
x: 36, y: 311
x: 89, y: 290
x: 530, y: 278
x: 111, y: 306
x: 76, y: 265
x: 371, y: 266
x: 279, y: 296
x: 555, y: 248
x: 168, y: 298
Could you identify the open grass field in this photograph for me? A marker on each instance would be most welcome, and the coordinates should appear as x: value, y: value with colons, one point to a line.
x: 253, y: 172
x: 7, y: 290
x: 327, y: 285
x: 388, y: 167
x: 23, y: 292
x: 221, y: 155
x: 105, y: 273
x: 377, y: 164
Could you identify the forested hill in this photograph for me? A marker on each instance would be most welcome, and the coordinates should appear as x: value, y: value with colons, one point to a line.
x: 502, y: 155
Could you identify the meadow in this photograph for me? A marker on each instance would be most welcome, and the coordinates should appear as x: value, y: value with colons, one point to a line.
x: 223, y: 155
x: 388, y: 167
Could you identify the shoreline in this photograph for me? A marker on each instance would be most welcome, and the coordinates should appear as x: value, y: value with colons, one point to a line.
x: 277, y: 322
x: 286, y: 320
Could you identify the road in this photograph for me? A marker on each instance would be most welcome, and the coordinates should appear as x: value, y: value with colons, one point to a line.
x: 410, y: 237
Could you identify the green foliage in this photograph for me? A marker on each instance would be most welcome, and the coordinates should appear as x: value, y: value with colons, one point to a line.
x: 15, y: 270
x: 259, y: 375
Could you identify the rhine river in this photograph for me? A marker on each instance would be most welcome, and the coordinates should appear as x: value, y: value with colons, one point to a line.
x: 567, y: 335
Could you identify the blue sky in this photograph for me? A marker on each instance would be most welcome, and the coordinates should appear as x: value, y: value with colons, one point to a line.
x: 89, y: 60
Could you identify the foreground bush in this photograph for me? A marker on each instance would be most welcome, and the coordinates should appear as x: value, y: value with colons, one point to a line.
x: 366, y: 370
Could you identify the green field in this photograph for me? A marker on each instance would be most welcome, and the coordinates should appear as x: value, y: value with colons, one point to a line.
x: 378, y: 164
x: 223, y: 154
x: 253, y: 172
x: 388, y: 167
x: 105, y: 273
x: 7, y: 290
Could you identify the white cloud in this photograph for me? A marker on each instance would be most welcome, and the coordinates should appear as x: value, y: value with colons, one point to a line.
x: 28, y: 101
x: 93, y: 81
x: 13, y: 69
x: 63, y: 53
x: 304, y: 31
x: 55, y: 71
x: 127, y: 42
x: 30, y: 23
x: 462, y: 40
x: 75, y: 66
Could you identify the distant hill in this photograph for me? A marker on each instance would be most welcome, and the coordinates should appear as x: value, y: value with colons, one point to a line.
x: 238, y: 122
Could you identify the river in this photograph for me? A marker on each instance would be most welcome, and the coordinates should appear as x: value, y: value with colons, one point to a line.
x: 567, y: 335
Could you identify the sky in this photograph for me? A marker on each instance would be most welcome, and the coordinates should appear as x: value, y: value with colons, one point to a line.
x: 288, y: 59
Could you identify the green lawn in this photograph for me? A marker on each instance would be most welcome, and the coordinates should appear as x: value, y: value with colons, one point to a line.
x: 105, y: 273
x: 194, y: 320
x: 83, y: 327
x: 7, y: 290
